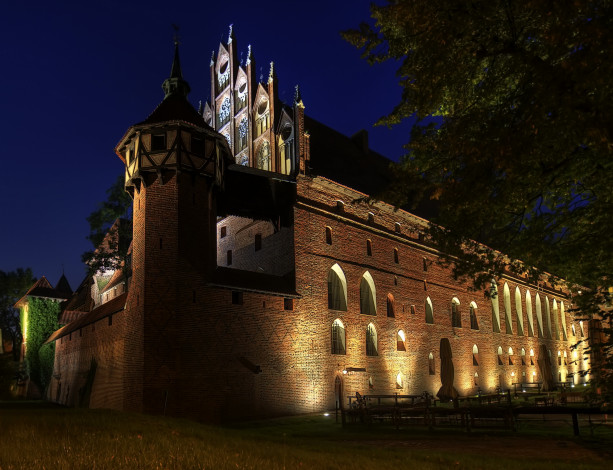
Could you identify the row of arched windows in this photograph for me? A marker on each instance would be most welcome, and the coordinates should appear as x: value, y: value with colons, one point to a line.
x: 339, y: 339
x: 337, y: 300
x: 544, y: 325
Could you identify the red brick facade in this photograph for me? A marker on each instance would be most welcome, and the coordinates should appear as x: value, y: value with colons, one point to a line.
x: 211, y: 340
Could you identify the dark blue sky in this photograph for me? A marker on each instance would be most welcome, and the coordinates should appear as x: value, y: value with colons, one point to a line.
x: 76, y: 75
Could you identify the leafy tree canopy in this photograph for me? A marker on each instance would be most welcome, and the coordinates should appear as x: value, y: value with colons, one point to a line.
x: 519, y: 156
x: 110, y: 241
x: 13, y: 285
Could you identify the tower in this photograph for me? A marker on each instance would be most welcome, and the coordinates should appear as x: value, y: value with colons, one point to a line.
x: 174, y: 168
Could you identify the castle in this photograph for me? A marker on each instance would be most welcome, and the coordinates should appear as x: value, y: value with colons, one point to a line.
x: 261, y: 281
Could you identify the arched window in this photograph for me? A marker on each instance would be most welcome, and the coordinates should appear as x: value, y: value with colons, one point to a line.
x: 581, y: 331
x: 456, y: 317
x: 523, y: 357
x: 429, y: 312
x: 539, y: 315
x: 500, y: 355
x: 431, y: 366
x: 368, y: 305
x: 565, y: 362
x: 476, y: 379
x: 510, y: 356
x: 337, y: 289
x: 518, y: 312
x: 556, y: 318
x: 262, y: 120
x: 474, y: 323
x: 396, y: 260
x: 369, y: 247
x: 338, y: 337
x: 529, y: 313
x: 328, y: 235
x: 475, y: 355
x: 401, y: 341
x: 371, y: 340
x: 563, y: 318
x: 548, y: 318
x: 559, y: 358
x: 572, y: 329
x: 495, y: 307
x: 399, y: 380
x: 507, y: 309
x: 263, y: 158
x: 390, y: 306
x: 532, y: 357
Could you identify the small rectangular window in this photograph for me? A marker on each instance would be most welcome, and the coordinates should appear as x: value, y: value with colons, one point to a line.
x: 229, y: 258
x: 158, y: 142
x: 237, y: 298
x: 110, y: 320
x: 222, y: 232
x: 258, y: 241
x: 369, y: 247
x: 288, y: 304
x: 425, y: 264
x: 197, y: 146
x: 396, y: 260
x: 412, y: 309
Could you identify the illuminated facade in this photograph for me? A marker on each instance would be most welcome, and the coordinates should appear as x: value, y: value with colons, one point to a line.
x: 260, y: 278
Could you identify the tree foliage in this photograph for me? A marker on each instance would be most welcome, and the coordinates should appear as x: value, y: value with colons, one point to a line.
x: 519, y: 154
x: 13, y: 285
x: 110, y: 241
x: 43, y: 315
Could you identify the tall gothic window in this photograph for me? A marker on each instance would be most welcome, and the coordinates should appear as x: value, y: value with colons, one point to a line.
x: 456, y: 317
x: 338, y: 337
x: 429, y: 312
x: 495, y: 307
x: 242, y: 134
x: 262, y: 120
x: 529, y: 313
x: 371, y: 340
x: 263, y: 158
x: 518, y: 312
x: 368, y: 305
x: 474, y: 323
x: 390, y: 306
x: 337, y: 289
x: 507, y: 309
x: 224, y: 113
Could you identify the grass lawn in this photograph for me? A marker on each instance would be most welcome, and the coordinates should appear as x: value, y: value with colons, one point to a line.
x: 46, y: 437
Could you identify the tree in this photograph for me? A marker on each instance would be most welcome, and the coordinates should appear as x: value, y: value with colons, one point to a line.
x: 13, y: 285
x: 518, y: 151
x: 110, y: 240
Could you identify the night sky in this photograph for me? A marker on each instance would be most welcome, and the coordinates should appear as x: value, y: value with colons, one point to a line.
x: 76, y: 75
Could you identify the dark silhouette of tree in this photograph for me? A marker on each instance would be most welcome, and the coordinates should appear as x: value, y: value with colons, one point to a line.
x: 110, y: 230
x: 517, y: 150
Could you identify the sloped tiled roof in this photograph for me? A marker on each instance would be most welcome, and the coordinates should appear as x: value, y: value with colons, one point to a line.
x: 63, y: 287
x: 42, y: 288
x: 111, y: 307
x: 175, y: 108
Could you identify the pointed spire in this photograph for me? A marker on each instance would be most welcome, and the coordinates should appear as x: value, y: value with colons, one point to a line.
x: 200, y: 107
x: 175, y: 85
x: 271, y: 75
x: 298, y: 98
x: 212, y: 58
x: 230, y: 35
x: 248, y: 61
